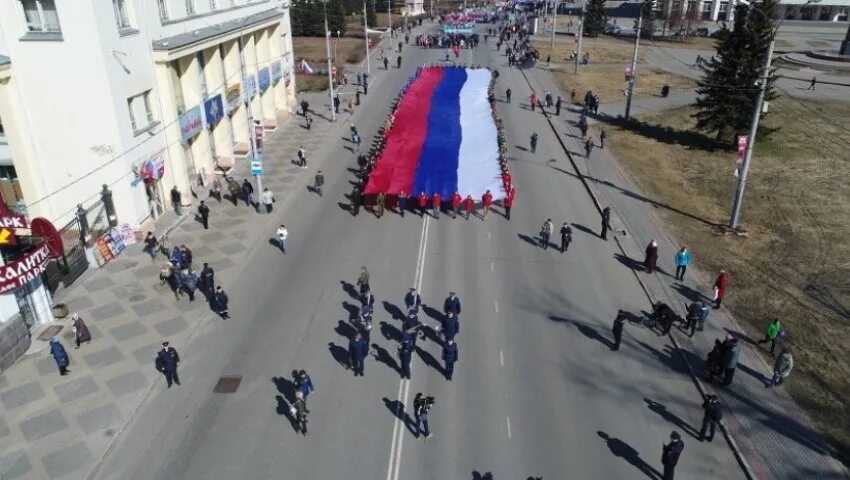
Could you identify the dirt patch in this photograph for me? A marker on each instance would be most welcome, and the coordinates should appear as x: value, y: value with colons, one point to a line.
x: 795, y: 261
x: 609, y: 82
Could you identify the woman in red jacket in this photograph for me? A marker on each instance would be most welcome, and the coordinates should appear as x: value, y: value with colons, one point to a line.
x: 720, y: 287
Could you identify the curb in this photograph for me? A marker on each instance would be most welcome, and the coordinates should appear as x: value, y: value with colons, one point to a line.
x: 739, y: 456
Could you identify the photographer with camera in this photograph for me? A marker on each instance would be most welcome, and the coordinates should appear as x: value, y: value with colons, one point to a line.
x: 421, y: 406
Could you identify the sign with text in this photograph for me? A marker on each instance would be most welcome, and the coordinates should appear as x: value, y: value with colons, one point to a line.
x: 264, y: 79
x: 214, y: 110
x: 18, y: 273
x: 191, y: 123
x: 7, y: 237
x: 250, y: 87
x: 10, y: 219
x: 256, y: 167
x: 232, y: 97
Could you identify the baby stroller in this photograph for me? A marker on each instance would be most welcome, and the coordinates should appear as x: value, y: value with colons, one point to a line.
x: 662, y: 316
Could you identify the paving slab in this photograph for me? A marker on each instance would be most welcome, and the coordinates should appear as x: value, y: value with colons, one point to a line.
x: 68, y: 460
x: 22, y: 395
x: 14, y: 465
x: 100, y: 418
x: 127, y: 383
x: 43, y: 425
x: 75, y: 389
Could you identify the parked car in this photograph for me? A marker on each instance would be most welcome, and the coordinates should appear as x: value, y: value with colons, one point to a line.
x: 700, y: 32
x: 613, y: 29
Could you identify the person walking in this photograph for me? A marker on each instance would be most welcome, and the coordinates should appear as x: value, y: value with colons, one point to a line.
x: 386, y: 63
x: 730, y: 361
x: 81, y: 331
x: 588, y: 147
x: 450, y: 326
x: 436, y: 204
x: 508, y: 202
x: 319, y: 182
x: 772, y: 333
x: 357, y: 350
x: 401, y: 203
x: 532, y: 99
x: 363, y: 280
x: 219, y: 303
x: 60, y: 356
x: 398, y: 62
x: 650, y: 260
x: 546, y: 233
x: 303, y: 383
x: 204, y: 213
x: 583, y: 127
x: 302, y: 156
x: 781, y: 368
x: 421, y: 406
x: 176, y: 200
x: 305, y: 107
x: 606, y: 222
x: 412, y: 301
x: 456, y: 201
x: 566, y: 236
x: 299, y: 412
x: 206, y: 282
x: 336, y: 103
x: 282, y: 235
x: 602, y: 137
x: 268, y: 200
x: 682, y: 260
x: 697, y: 313
x: 558, y: 107
x: 355, y: 200
x: 451, y: 304
x: 151, y: 245
x: 533, y: 142
x: 468, y: 205
x: 713, y: 414
x: 166, y: 363
x: 670, y: 454
x: 812, y: 83
x: 720, y: 286
x: 508, y: 96
x: 422, y: 201
x: 247, y: 191
x: 405, y: 353
x: 450, y: 357
x: 617, y: 329
x: 548, y: 99
x: 487, y: 201
x: 381, y: 203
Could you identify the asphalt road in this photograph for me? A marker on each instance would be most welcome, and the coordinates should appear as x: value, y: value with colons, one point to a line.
x: 536, y: 391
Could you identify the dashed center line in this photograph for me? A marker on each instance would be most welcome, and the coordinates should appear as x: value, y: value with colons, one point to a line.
x: 492, y: 267
x: 501, y: 358
x: 496, y: 305
x: 508, y: 421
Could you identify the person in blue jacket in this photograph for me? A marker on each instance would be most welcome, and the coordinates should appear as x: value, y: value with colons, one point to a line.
x: 682, y: 259
x: 450, y: 357
x: 60, y: 355
x: 357, y: 349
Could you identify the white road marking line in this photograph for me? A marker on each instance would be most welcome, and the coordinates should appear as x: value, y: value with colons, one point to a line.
x: 496, y: 305
x: 492, y: 267
x: 404, y: 385
x: 489, y: 234
x: 501, y: 358
x: 508, y: 420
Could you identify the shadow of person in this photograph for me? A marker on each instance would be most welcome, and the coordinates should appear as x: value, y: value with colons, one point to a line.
x: 623, y: 450
x: 345, y: 329
x: 432, y: 312
x: 285, y: 387
x: 283, y: 409
x: 670, y: 417
x: 397, y: 409
x: 529, y: 240
x: 592, y: 334
x: 349, y: 289
x: 393, y: 310
x: 429, y: 360
x: 689, y: 293
x: 340, y: 354
x: 584, y: 229
x: 353, y: 310
x: 629, y: 262
x: 383, y: 356
x: 390, y: 332
x: 476, y: 475
x: 757, y: 375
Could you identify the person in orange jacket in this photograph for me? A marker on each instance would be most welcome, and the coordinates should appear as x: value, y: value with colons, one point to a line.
x: 468, y: 205
x: 487, y: 200
x: 456, y: 201
x: 423, y: 202
x: 436, y: 204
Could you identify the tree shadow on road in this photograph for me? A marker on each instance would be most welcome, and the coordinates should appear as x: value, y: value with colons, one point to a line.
x: 623, y: 450
x: 670, y: 417
x: 340, y: 354
x: 397, y: 409
x: 383, y: 356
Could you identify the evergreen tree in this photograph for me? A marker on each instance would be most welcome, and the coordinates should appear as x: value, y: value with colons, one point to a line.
x: 595, y: 17
x: 647, y: 27
x: 336, y: 17
x: 370, y: 14
x: 729, y: 87
x: 307, y: 18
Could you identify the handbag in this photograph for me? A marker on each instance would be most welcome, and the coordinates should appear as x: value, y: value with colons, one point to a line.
x: 716, y: 292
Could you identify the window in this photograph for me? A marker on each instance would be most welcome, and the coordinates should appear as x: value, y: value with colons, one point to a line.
x: 41, y: 16
x: 121, y: 17
x: 190, y: 7
x: 163, y: 10
x: 139, y: 107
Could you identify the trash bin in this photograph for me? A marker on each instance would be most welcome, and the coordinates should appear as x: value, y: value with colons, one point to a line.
x: 665, y: 90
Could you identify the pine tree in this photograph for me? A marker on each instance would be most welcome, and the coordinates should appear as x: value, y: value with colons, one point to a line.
x: 336, y: 17
x: 370, y: 13
x: 595, y: 17
x: 307, y: 18
x: 729, y: 87
x: 647, y: 27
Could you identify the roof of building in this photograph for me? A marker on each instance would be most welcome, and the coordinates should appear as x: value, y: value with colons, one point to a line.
x: 206, y: 33
x: 4, y: 60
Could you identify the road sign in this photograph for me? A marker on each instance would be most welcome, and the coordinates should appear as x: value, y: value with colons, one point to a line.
x: 7, y: 237
x: 41, y: 227
x: 256, y: 167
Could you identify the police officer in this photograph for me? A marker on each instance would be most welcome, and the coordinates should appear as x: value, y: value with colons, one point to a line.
x: 219, y: 302
x: 450, y: 357
x: 617, y: 329
x: 412, y: 301
x: 405, y: 353
x: 566, y: 236
x: 166, y: 363
x: 206, y: 282
x: 670, y: 455
x: 357, y: 350
x: 713, y: 414
x: 452, y: 304
x: 451, y: 326
x: 204, y: 213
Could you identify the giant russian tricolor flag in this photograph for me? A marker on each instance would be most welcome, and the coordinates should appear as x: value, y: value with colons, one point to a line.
x: 443, y: 138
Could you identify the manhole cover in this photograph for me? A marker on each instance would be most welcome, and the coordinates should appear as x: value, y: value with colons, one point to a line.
x: 137, y: 298
x: 50, y: 332
x: 228, y: 384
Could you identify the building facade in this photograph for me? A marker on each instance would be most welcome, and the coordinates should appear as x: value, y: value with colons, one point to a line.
x: 139, y: 96
x: 720, y: 10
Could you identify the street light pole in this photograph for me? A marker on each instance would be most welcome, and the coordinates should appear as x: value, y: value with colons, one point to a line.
x: 554, y: 25
x: 328, y: 53
x: 366, y: 30
x: 634, y: 64
x: 754, y: 126
x: 580, y: 34
x: 252, y: 134
x: 390, y: 17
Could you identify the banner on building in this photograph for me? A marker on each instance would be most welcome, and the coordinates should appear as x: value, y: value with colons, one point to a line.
x: 250, y: 86
x: 154, y: 167
x: 232, y: 97
x: 214, y: 110
x: 264, y: 79
x: 191, y: 123
x: 277, y: 71
x: 23, y: 270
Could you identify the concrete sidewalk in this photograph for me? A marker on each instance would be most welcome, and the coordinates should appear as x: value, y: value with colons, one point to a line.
x: 773, y: 434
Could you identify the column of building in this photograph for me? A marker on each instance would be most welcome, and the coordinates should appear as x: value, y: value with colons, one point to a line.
x: 249, y: 52
x: 264, y: 61
x: 198, y: 156
x: 170, y: 99
x: 239, y: 116
x: 221, y: 132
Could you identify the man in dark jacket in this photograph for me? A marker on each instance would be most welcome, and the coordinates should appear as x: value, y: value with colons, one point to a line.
x: 451, y: 326
x: 670, y: 455
x: 606, y: 222
x: 450, y: 357
x: 730, y: 360
x: 176, y: 199
x: 617, y: 329
x: 405, y: 352
x: 206, y: 282
x: 357, y: 350
x: 166, y: 363
x: 247, y: 191
x: 566, y: 236
x: 204, y: 213
x: 452, y: 304
x: 219, y: 302
x: 60, y: 356
x: 713, y: 414
x: 412, y: 301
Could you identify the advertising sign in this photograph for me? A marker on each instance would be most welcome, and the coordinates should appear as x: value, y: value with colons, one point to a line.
x: 264, y: 79
x: 19, y: 272
x: 256, y: 167
x: 250, y: 86
x: 41, y: 227
x: 277, y: 72
x: 7, y: 237
x: 154, y: 168
x: 191, y: 123
x: 232, y: 97
x: 214, y: 110
x: 9, y: 219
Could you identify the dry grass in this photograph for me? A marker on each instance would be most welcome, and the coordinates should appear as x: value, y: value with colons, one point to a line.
x: 603, y: 49
x: 795, y: 261
x: 349, y: 50
x: 310, y: 83
x: 697, y: 43
x: 609, y: 82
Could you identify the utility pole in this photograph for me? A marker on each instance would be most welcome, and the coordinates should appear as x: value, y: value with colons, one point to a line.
x: 328, y: 51
x: 754, y: 126
x: 390, y: 17
x: 634, y: 64
x: 580, y: 34
x: 554, y: 25
x: 252, y: 133
x: 366, y: 30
